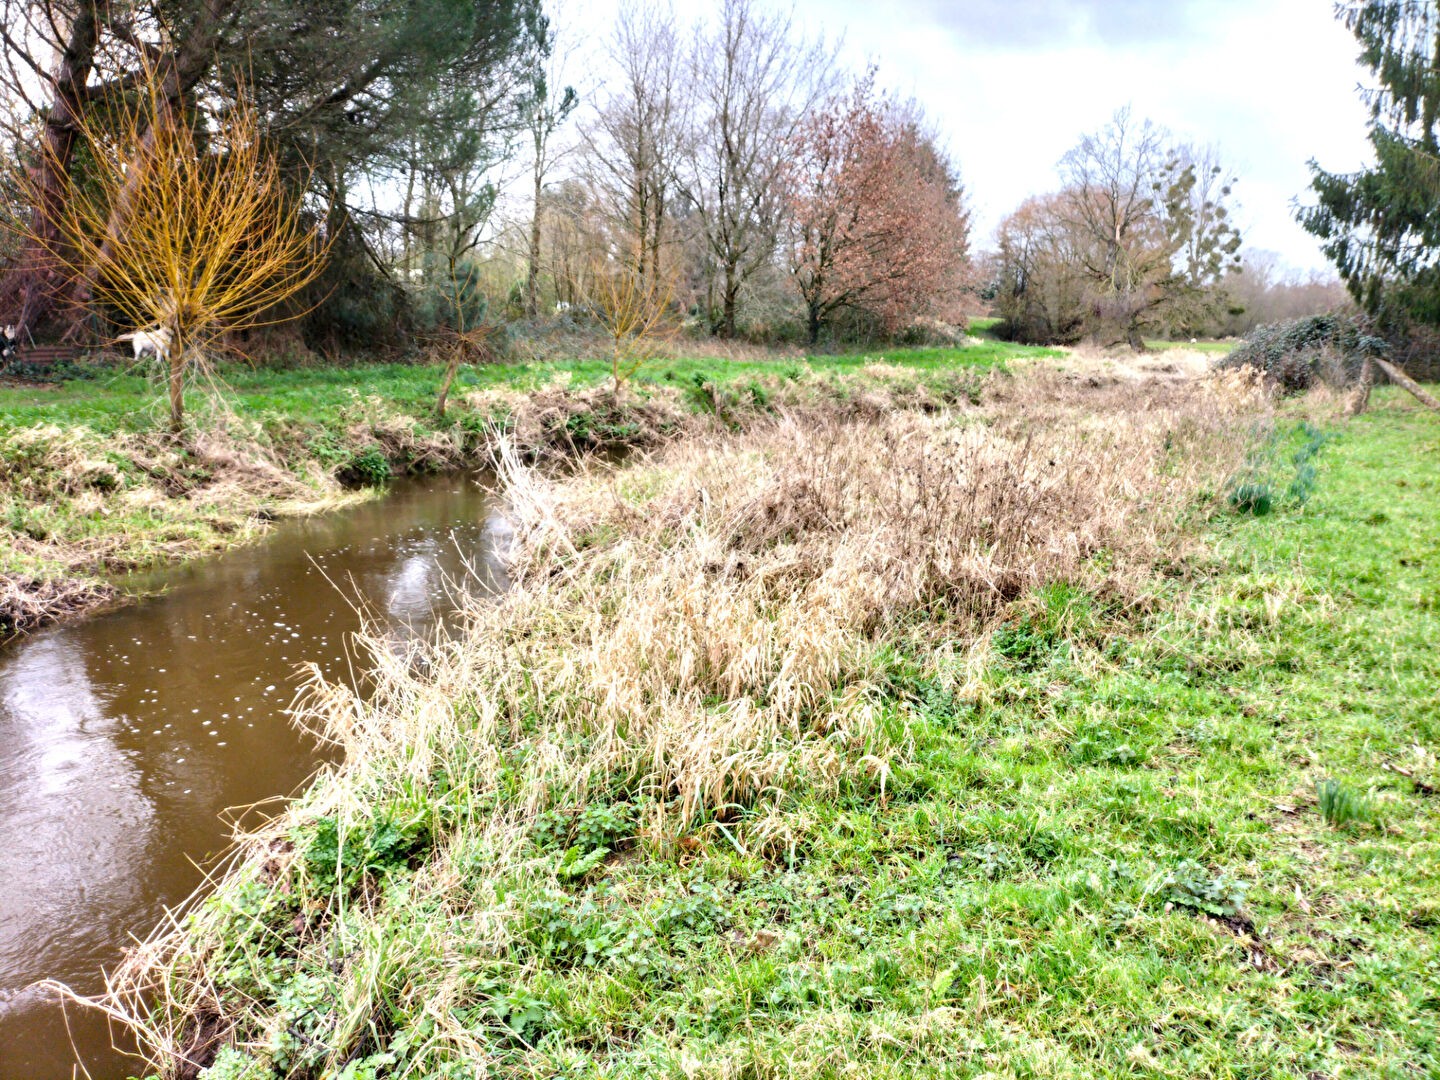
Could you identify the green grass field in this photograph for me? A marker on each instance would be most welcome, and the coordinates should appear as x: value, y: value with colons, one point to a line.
x: 1197, y: 836
x: 117, y: 401
x: 1114, y: 861
x: 1061, y: 846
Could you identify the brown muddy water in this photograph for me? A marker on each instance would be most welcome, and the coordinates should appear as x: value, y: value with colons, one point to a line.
x: 126, y: 740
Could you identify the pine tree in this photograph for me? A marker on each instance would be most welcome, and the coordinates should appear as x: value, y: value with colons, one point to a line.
x: 1381, y: 226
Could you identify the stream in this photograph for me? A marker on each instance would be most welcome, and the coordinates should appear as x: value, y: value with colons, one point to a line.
x: 127, y: 739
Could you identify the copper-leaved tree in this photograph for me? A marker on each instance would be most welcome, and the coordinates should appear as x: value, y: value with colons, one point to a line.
x: 183, y: 225
x: 878, y: 221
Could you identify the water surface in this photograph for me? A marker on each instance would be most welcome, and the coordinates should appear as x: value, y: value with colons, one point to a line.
x: 125, y: 738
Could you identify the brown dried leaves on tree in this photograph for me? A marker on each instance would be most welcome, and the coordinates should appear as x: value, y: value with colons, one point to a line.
x: 878, y: 217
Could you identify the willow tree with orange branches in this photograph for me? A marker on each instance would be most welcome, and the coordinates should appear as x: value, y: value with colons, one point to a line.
x: 183, y: 226
x: 635, y: 310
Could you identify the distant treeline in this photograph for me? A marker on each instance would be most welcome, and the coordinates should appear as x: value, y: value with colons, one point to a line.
x: 466, y: 163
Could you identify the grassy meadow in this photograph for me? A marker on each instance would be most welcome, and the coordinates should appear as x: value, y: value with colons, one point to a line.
x: 1214, y: 347
x: 1066, y: 731
x: 110, y: 400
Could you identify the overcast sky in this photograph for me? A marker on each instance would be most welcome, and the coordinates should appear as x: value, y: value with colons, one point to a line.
x: 1012, y: 84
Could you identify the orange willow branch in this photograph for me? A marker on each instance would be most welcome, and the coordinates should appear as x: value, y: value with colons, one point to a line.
x: 183, y: 223
x: 635, y: 312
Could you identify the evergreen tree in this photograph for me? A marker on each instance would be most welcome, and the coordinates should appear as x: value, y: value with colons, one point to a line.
x: 1381, y: 226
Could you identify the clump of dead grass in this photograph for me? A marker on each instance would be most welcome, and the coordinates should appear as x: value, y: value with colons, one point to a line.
x: 558, y: 422
x: 27, y: 603
x: 690, y: 635
x: 78, y: 503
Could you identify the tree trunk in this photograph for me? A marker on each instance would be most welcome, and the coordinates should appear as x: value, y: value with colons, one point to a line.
x: 452, y: 368
x: 1361, y: 399
x: 658, y: 228
x: 532, y: 275
x: 32, y: 289
x: 407, y: 236
x: 815, y: 323
x: 731, y: 301
x: 1399, y: 378
x: 176, y: 382
x: 642, y: 205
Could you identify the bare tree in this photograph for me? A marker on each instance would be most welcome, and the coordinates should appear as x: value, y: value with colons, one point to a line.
x: 545, y: 110
x: 1263, y: 292
x: 213, y: 242
x: 634, y: 140
x: 1112, y: 183
x: 1210, y: 240
x: 574, y: 238
x: 635, y: 313
x: 60, y: 58
x: 753, y: 80
x: 1151, y: 221
x: 1042, y: 290
x: 1196, y: 189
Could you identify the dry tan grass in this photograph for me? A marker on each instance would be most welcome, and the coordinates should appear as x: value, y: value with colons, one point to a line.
x: 691, y: 633
x: 1126, y: 365
x: 26, y: 603
x: 758, y: 570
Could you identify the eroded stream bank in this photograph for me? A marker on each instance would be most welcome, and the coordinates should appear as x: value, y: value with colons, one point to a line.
x: 124, y: 738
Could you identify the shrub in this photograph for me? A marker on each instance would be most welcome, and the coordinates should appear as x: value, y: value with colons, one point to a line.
x: 366, y: 468
x: 1299, y: 354
x: 581, y: 932
x: 377, y: 846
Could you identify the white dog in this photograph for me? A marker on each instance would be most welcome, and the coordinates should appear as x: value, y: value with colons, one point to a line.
x: 8, y: 338
x: 154, y: 343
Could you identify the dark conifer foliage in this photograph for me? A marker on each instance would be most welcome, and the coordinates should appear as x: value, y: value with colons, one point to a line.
x: 1381, y: 226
